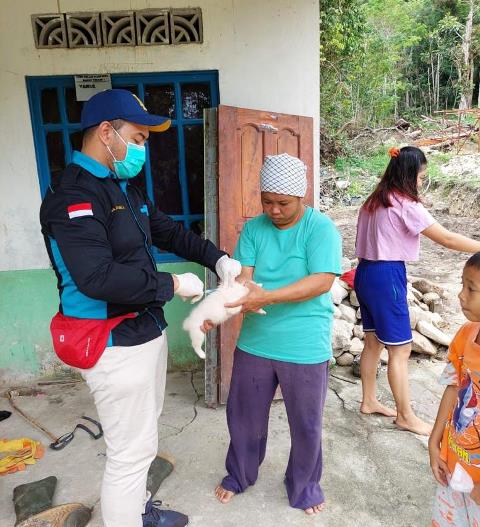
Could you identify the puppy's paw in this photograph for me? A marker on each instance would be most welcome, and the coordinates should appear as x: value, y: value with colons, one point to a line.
x: 200, y: 353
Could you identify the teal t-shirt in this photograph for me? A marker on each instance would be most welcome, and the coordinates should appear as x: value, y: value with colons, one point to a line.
x: 298, y: 332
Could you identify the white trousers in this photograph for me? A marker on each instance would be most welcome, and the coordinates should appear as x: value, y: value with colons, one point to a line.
x: 128, y: 386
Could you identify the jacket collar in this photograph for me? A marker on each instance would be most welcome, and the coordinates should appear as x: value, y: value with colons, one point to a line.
x: 91, y: 165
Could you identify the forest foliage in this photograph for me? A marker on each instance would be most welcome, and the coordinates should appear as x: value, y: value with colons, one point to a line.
x: 385, y: 59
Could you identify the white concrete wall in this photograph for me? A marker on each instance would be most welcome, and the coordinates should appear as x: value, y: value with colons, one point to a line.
x: 266, y: 52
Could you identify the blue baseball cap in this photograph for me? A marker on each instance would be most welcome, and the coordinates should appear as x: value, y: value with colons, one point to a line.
x: 114, y: 104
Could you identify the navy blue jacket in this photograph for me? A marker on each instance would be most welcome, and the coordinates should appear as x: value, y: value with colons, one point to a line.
x: 99, y: 233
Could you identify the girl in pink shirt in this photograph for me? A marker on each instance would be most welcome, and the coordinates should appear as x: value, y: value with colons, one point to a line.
x: 388, y: 235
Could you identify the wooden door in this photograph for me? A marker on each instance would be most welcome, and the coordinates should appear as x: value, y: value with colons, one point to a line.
x: 245, y: 138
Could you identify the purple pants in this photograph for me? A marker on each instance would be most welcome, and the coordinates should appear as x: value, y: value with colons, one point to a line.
x: 304, y: 387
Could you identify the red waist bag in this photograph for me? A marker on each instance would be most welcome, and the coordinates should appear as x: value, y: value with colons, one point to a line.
x: 349, y: 277
x: 80, y: 342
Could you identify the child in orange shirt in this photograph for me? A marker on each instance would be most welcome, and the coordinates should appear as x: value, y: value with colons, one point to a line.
x: 454, y: 444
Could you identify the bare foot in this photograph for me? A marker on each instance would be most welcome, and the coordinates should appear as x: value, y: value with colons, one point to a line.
x: 377, y: 408
x: 223, y: 496
x: 414, y: 424
x: 315, y: 509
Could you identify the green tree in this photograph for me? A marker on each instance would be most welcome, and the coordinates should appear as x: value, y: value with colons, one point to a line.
x: 381, y: 59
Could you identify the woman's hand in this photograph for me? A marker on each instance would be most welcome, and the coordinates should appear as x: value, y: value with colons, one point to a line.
x: 207, y: 326
x: 254, y: 300
x: 438, y: 466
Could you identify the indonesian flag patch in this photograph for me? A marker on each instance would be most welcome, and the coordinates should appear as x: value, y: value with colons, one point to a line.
x: 79, y: 210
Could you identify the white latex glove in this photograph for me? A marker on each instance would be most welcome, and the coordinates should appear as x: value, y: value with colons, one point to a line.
x: 228, y: 269
x: 189, y: 286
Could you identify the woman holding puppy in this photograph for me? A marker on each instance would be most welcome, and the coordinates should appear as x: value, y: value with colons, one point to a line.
x: 294, y: 251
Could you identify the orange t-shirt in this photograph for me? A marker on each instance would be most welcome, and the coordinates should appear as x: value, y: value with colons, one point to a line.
x: 461, y: 438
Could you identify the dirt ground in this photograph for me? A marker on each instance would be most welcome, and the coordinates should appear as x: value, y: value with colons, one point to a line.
x: 374, y: 474
x: 438, y: 264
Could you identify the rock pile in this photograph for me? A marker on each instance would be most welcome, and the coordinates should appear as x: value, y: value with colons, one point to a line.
x: 462, y: 166
x: 425, y: 301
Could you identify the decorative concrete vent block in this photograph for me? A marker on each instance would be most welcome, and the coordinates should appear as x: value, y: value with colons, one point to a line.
x: 153, y: 27
x: 118, y: 28
x: 84, y: 30
x: 146, y: 27
x: 49, y: 31
x: 186, y: 26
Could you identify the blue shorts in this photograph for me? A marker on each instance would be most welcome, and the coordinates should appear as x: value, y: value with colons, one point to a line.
x: 381, y: 289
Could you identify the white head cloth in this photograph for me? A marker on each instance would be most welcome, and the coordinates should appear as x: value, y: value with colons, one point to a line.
x: 284, y: 174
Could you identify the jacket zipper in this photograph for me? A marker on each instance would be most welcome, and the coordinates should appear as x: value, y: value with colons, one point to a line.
x: 145, y: 237
x: 145, y: 242
x: 155, y: 319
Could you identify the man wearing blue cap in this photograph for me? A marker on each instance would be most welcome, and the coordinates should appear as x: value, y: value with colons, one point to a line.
x: 99, y: 231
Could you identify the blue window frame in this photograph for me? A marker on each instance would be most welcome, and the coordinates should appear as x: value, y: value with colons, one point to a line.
x: 173, y: 173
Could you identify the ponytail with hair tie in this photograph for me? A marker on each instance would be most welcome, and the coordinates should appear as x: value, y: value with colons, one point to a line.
x: 400, y: 178
x: 394, y: 151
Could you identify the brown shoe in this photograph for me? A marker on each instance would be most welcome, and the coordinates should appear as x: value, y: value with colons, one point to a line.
x: 67, y: 515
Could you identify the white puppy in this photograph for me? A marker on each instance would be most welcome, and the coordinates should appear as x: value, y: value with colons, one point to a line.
x: 213, y: 308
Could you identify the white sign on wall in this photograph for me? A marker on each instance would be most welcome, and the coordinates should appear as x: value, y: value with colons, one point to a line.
x: 88, y: 85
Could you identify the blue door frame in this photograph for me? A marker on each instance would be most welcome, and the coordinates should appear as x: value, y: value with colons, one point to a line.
x: 35, y: 85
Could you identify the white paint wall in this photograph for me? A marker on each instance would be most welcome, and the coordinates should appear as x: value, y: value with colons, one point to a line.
x: 266, y: 53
